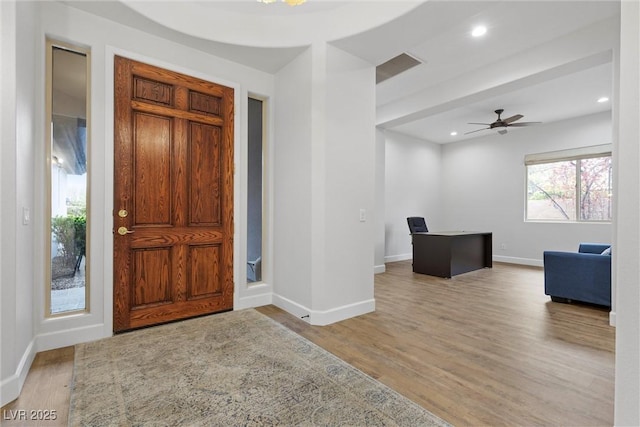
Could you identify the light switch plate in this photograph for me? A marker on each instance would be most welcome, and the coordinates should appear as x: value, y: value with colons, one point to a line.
x: 26, y: 216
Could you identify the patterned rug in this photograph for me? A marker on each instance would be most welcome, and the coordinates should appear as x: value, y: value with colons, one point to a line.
x: 229, y: 369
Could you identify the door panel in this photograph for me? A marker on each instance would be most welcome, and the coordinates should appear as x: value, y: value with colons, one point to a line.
x: 204, y: 155
x: 205, y: 271
x: 151, y: 277
x: 173, y: 196
x: 152, y: 173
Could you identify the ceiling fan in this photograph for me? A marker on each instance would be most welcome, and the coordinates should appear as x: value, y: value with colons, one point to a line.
x: 503, y: 123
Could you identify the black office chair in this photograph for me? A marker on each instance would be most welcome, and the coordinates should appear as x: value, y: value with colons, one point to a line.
x: 417, y: 224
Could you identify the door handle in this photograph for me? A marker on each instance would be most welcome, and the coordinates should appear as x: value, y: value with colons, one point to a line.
x: 123, y: 230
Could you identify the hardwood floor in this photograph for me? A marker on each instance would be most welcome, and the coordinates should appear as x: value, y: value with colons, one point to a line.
x: 45, y: 393
x: 486, y: 348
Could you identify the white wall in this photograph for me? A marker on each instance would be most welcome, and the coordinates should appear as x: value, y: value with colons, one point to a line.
x: 413, y: 187
x: 380, y: 197
x: 25, y: 330
x: 17, y: 241
x: 484, y: 182
x: 292, y: 181
x: 105, y: 37
x: 8, y: 352
x: 627, y: 384
x: 27, y: 144
x: 479, y: 184
x: 324, y: 175
x: 350, y: 182
x: 7, y: 44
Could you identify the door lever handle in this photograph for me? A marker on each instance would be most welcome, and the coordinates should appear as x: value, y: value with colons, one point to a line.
x: 123, y: 230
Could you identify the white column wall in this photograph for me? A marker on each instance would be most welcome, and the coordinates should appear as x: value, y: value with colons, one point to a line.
x: 319, y: 174
x: 293, y: 222
x: 349, y: 163
x: 380, y: 203
x: 26, y: 146
x: 7, y: 38
x: 8, y: 352
x: 627, y: 379
x: 324, y: 175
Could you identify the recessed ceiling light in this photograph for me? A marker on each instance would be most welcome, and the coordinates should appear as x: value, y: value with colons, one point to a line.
x: 479, y: 31
x: 454, y: 133
x: 603, y: 99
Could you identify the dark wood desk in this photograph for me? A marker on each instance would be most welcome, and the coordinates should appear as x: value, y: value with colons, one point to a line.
x: 448, y: 253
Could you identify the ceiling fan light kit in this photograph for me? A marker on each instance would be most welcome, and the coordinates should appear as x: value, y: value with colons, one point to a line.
x: 503, y: 123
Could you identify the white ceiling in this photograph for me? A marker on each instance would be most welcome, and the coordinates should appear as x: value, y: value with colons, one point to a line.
x: 252, y: 23
x: 565, y: 97
x: 462, y: 80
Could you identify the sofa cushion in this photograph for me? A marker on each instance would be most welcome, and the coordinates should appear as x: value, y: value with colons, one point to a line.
x: 607, y: 251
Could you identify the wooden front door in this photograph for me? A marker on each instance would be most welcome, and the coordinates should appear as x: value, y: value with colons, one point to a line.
x: 173, y: 196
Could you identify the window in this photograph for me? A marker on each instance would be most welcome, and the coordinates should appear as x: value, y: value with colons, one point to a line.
x: 255, y: 199
x: 570, y: 185
x: 66, y: 153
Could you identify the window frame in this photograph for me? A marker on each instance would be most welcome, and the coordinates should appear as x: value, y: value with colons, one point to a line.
x: 576, y: 155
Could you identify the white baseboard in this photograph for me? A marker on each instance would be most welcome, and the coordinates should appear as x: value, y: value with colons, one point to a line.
x: 291, y: 307
x: 401, y: 257
x: 377, y: 269
x: 612, y: 318
x: 337, y: 314
x: 496, y: 258
x: 521, y: 261
x: 69, y: 337
x: 253, y: 301
x: 11, y: 387
x: 326, y: 317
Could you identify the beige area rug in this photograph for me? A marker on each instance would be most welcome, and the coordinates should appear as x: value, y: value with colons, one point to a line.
x: 237, y: 368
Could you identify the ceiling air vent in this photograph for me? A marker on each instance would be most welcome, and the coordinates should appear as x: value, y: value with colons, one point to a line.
x: 395, y: 66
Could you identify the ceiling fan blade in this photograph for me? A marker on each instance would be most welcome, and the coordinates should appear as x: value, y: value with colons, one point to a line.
x: 524, y: 124
x: 477, y: 130
x: 513, y: 118
x: 486, y: 124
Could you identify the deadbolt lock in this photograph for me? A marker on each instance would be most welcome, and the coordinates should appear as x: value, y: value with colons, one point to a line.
x: 122, y: 213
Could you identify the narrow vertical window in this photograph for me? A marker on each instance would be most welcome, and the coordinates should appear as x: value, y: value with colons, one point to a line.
x: 66, y: 153
x: 254, y: 192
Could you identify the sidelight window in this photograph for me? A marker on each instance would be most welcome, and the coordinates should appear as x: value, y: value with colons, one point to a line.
x: 67, y: 148
x: 255, y: 191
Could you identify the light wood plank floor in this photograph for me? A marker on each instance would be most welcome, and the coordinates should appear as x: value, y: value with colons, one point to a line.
x: 486, y: 348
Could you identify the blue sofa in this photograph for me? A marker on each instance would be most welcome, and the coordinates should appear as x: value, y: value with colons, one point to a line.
x: 579, y: 276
